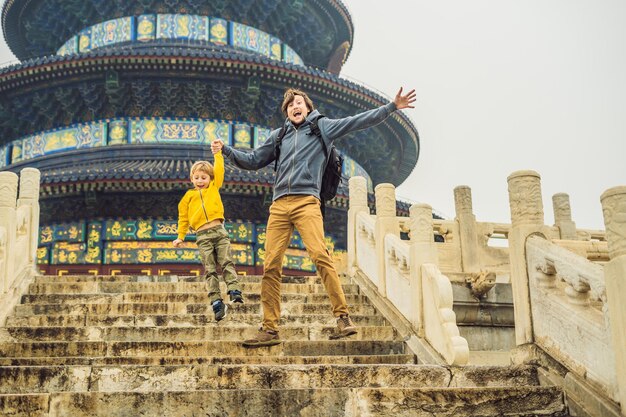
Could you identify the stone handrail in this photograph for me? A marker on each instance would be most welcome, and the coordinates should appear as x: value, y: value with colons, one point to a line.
x: 569, y: 307
x: 19, y: 232
x: 404, y: 272
x: 440, y: 324
x: 570, y: 312
x: 366, y: 250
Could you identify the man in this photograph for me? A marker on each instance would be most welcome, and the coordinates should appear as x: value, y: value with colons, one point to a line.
x: 296, y: 201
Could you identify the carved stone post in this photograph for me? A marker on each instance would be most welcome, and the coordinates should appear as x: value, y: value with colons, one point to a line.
x: 563, y: 216
x: 423, y: 250
x: 386, y: 222
x: 526, y: 218
x: 467, y: 228
x: 614, y: 209
x: 29, y: 196
x: 358, y: 204
x: 8, y: 196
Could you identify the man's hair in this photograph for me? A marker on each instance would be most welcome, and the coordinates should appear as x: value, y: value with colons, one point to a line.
x: 290, y: 94
x: 202, y: 166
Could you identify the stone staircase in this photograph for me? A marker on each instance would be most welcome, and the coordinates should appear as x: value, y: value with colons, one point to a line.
x: 136, y: 345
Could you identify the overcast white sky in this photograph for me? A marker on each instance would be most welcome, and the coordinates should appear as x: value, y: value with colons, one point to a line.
x: 503, y: 85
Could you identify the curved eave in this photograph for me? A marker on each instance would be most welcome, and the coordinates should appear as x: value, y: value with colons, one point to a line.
x: 46, y: 72
x: 20, y: 24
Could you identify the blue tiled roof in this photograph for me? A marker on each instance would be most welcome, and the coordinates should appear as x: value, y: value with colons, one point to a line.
x: 200, y: 83
x: 40, y: 28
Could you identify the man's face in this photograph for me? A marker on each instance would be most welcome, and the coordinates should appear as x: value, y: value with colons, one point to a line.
x: 200, y: 179
x: 297, y: 110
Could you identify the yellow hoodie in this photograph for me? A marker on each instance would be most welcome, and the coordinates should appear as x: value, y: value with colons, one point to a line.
x: 200, y: 206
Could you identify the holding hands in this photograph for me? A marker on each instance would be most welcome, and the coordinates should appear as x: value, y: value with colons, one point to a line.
x: 216, y: 146
x: 403, y: 102
x: 177, y: 242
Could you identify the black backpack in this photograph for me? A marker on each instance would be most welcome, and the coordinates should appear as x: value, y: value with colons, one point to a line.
x: 334, y: 161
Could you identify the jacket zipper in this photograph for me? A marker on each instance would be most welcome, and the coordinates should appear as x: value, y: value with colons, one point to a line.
x: 202, y: 203
x: 293, y: 162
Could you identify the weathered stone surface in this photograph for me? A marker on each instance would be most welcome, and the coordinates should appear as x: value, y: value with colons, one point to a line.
x: 211, y: 332
x: 155, y: 297
x: 174, y: 308
x: 128, y: 346
x: 350, y: 402
x: 32, y: 405
x: 171, y: 287
x: 181, y: 320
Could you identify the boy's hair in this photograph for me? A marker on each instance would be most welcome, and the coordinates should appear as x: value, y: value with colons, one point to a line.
x: 289, y: 96
x: 202, y: 166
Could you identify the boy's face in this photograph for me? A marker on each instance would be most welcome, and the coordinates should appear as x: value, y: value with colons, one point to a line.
x: 297, y: 110
x: 200, y: 179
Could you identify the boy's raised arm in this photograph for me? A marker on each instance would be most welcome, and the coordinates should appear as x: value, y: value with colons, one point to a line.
x: 218, y: 169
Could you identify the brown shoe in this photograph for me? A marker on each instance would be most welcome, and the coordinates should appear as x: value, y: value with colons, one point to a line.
x: 263, y: 338
x: 345, y: 327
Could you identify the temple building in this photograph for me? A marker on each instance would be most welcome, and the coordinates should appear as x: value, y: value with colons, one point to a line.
x: 114, y: 100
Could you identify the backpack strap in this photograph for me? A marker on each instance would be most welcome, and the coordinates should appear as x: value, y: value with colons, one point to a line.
x: 315, y: 130
x: 279, y: 141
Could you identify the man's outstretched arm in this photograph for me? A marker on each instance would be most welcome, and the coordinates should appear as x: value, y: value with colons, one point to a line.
x: 335, y: 128
x: 251, y: 160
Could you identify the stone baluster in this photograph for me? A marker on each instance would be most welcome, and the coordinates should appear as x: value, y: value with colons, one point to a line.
x: 29, y: 196
x: 423, y: 251
x: 614, y: 209
x: 526, y: 218
x: 8, y: 197
x: 563, y: 216
x: 386, y: 222
x: 470, y: 261
x: 358, y: 204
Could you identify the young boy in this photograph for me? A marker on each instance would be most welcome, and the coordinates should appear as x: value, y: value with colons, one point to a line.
x: 201, y: 209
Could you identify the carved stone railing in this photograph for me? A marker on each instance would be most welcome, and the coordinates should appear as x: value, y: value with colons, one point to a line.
x: 366, y: 250
x: 19, y: 228
x: 614, y: 209
x: 569, y: 307
x: 405, y: 273
x: 570, y: 312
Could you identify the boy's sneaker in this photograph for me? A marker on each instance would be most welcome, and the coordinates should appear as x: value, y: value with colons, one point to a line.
x: 219, y: 309
x: 345, y: 327
x: 263, y: 338
x: 235, y: 296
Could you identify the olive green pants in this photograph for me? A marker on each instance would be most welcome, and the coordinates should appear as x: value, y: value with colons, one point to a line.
x: 214, y: 247
x: 303, y: 213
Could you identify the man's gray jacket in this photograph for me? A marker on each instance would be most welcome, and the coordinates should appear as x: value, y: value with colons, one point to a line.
x: 302, y: 159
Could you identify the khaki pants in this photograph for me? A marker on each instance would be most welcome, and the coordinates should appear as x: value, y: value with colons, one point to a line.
x: 214, y: 247
x: 303, y: 212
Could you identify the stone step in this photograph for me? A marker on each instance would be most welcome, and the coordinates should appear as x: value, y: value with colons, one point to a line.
x: 164, y: 297
x: 406, y: 358
x: 41, y: 379
x: 337, y: 402
x: 223, y: 331
x: 176, y: 308
x: 200, y: 348
x: 170, y: 287
x: 43, y: 279
x: 181, y: 320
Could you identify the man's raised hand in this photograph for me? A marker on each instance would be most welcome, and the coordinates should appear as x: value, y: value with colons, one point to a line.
x: 405, y: 101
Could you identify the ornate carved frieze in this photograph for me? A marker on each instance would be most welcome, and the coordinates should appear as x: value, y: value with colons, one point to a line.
x: 614, y: 209
x: 385, y: 200
x: 421, y: 220
x: 8, y: 189
x: 525, y: 198
x: 463, y: 199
